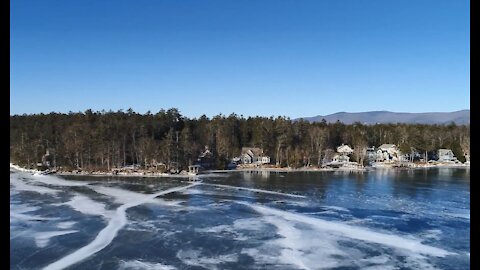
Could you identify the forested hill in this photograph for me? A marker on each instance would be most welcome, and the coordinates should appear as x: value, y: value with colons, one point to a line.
x: 103, y: 140
x: 459, y: 117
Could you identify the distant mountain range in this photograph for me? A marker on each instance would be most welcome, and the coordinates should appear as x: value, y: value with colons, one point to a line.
x: 459, y: 117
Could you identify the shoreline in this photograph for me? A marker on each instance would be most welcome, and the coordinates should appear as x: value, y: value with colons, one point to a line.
x: 127, y: 175
x: 274, y: 170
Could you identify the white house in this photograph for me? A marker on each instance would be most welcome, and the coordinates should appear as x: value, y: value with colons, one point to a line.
x: 388, y: 152
x: 253, y: 155
x: 445, y: 155
x: 265, y: 160
x: 344, y: 150
x: 340, y: 158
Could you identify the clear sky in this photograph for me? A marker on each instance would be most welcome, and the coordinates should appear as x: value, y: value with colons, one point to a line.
x: 252, y: 57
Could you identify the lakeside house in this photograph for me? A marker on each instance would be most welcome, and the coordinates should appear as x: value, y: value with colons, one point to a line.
x: 388, y: 153
x: 344, y: 150
x: 446, y: 155
x: 252, y: 155
x: 342, y: 155
x: 47, y: 161
x: 206, y: 159
x: 341, y: 158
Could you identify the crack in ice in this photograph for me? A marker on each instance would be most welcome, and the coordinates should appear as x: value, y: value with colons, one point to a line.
x: 256, y: 190
x: 106, y: 236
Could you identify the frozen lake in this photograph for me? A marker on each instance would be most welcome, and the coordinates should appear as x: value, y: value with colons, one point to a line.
x: 383, y: 219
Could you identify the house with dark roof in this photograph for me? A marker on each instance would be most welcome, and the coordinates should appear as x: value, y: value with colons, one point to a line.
x: 253, y: 155
x: 206, y: 159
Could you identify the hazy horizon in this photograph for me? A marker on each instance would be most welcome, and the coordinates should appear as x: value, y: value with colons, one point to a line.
x: 225, y: 114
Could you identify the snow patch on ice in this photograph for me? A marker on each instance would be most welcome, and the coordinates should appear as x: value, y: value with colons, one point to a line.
x: 215, y: 229
x: 43, y: 238
x: 66, y: 224
x: 336, y: 208
x: 18, y: 168
x: 432, y: 234
x: 305, y: 240
x: 88, y: 206
x: 18, y: 213
x: 301, y: 247
x: 55, y: 181
x: 254, y: 224
x: 193, y: 258
x: 353, y: 232
x: 240, y: 230
x: 120, y: 196
x: 458, y: 215
x: 138, y: 265
x: 20, y: 185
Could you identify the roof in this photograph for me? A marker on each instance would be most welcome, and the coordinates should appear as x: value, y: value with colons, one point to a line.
x: 205, y: 153
x: 344, y: 149
x: 252, y: 151
x: 386, y: 145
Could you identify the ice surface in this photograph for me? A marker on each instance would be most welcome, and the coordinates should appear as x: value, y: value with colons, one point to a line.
x: 66, y: 224
x: 120, y: 196
x: 354, y: 232
x: 42, y: 238
x: 305, y: 241
x: 300, y: 247
x: 256, y: 190
x: 15, y: 217
x: 21, y: 185
x: 240, y: 230
x: 194, y: 258
x: 336, y: 208
x: 18, y: 213
x: 55, y: 181
x: 432, y: 234
x: 105, y: 236
x: 458, y: 215
x: 254, y: 224
x: 88, y: 206
x: 18, y: 168
x: 138, y: 265
x: 274, y: 238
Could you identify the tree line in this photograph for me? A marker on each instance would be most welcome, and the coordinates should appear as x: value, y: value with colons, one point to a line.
x: 104, y: 140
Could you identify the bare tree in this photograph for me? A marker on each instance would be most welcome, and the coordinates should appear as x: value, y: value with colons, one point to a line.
x: 318, y: 136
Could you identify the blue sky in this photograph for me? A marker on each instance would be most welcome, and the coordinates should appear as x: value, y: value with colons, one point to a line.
x: 251, y: 57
